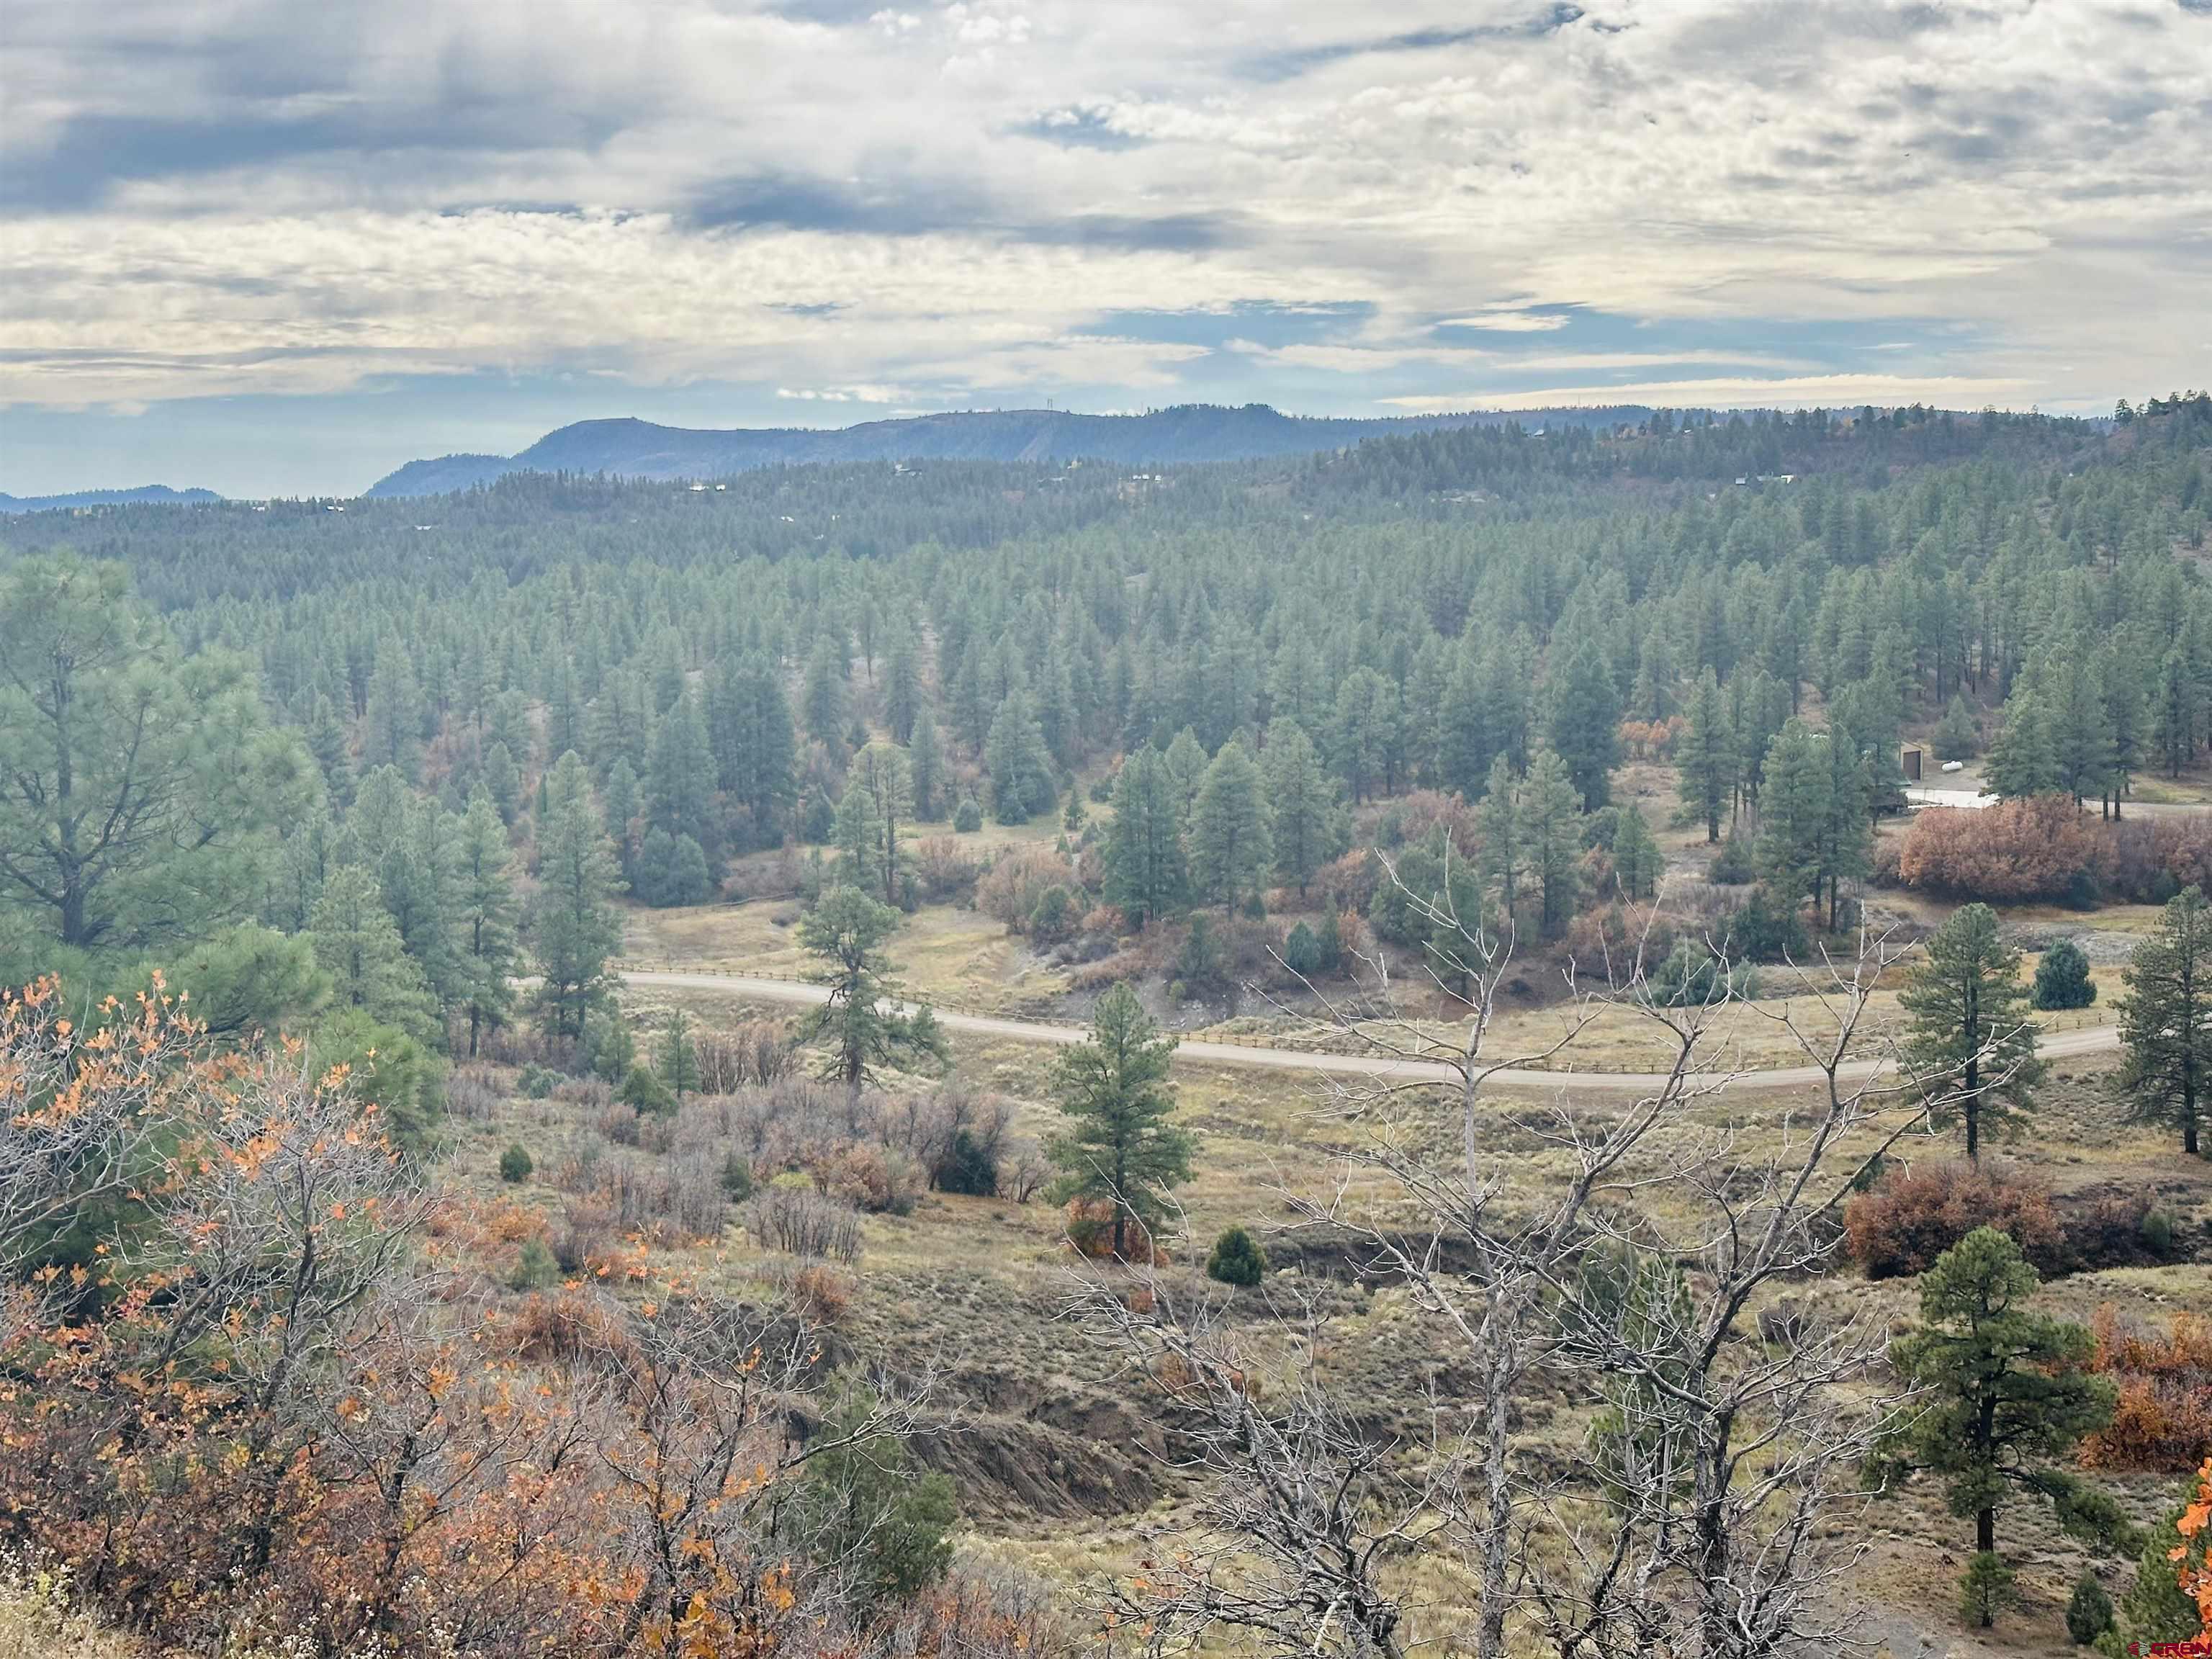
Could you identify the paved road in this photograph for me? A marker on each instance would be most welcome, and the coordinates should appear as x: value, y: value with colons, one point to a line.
x: 2056, y: 1045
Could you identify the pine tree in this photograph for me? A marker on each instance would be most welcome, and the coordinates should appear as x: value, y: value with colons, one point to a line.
x: 1638, y: 863
x: 679, y: 775
x: 1145, y: 871
x: 2177, y: 711
x: 1504, y: 858
x: 1958, y: 735
x: 2166, y: 1019
x: 925, y: 761
x: 2062, y: 979
x: 483, y: 895
x: 1847, y: 836
x: 1585, y: 720
x: 357, y: 944
x: 1186, y: 763
x: 1019, y: 763
x: 573, y: 929
x: 1119, y: 1145
x: 504, y: 782
x: 1231, y: 843
x: 1707, y: 757
x: 327, y: 741
x: 1797, y: 802
x: 2010, y: 1396
x: 392, y: 729
x: 883, y: 771
x: 756, y: 750
x: 1550, y: 828
x: 1303, y: 799
x: 822, y: 699
x: 859, y: 838
x: 1968, y: 1036
x: 861, y: 1025
x: 2024, y: 760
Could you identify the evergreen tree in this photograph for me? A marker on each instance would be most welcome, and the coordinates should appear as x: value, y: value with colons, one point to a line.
x: 882, y: 771
x: 1550, y: 829
x: 1144, y: 873
x: 1585, y: 721
x: 1020, y: 767
x: 327, y: 741
x: 1796, y: 813
x: 1638, y: 863
x: 926, y: 764
x: 144, y: 789
x: 2176, y: 712
x: 756, y: 750
x: 2062, y: 979
x: 1186, y: 762
x: 358, y: 946
x: 1302, y: 799
x: 392, y: 729
x: 2166, y: 1019
x: 1504, y: 857
x: 2010, y: 1396
x: 1119, y: 1145
x: 903, y: 691
x: 619, y: 800
x: 504, y: 782
x: 1958, y: 735
x: 483, y: 896
x: 1707, y: 757
x: 1847, y: 835
x: 573, y: 929
x: 859, y: 838
x: 1231, y: 843
x: 677, y: 1058
x: 1968, y: 1037
x: 822, y: 699
x: 2024, y: 760
x: 679, y: 775
x: 861, y: 1026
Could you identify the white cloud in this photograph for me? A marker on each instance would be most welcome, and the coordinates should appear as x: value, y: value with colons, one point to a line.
x: 254, y: 195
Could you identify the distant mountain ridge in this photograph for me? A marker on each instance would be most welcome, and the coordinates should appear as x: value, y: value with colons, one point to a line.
x: 157, y: 493
x: 1190, y: 433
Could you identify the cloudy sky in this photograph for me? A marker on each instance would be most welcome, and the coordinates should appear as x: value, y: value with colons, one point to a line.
x: 270, y: 246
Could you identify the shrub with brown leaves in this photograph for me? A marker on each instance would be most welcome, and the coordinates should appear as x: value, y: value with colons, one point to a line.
x: 1911, y: 1217
x: 2037, y: 848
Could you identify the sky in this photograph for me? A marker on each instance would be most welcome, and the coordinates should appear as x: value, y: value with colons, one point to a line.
x: 276, y: 248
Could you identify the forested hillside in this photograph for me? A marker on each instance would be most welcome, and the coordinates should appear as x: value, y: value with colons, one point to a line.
x: 356, y: 808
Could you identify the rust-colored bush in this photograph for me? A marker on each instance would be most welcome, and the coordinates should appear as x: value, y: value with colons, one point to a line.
x: 1350, y: 881
x: 821, y: 1294
x: 1017, y: 878
x: 2039, y: 848
x: 1911, y: 1217
x: 1610, y: 944
x: 2163, y: 1419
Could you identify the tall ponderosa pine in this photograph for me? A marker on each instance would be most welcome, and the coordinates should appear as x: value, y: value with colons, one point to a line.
x: 1707, y: 757
x: 1968, y: 1034
x: 1550, y: 824
x: 679, y: 775
x: 882, y: 772
x: 358, y: 946
x: 573, y: 929
x: 859, y: 1026
x: 756, y: 750
x: 483, y: 896
x: 1144, y: 872
x: 1303, y: 799
x: 1504, y: 858
x: 1585, y: 721
x: 1231, y: 844
x: 1020, y: 766
x: 141, y: 791
x: 2166, y: 1019
x: 2009, y: 1397
x: 1119, y: 1145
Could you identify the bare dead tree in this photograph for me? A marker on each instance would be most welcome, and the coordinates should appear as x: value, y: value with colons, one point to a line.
x: 1701, y: 1518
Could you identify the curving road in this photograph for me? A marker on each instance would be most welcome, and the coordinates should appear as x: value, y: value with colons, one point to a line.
x: 2053, y: 1045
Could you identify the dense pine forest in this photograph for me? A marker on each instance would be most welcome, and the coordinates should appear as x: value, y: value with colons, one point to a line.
x: 328, y: 828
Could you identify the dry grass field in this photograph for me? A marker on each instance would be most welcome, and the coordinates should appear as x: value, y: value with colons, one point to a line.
x: 1058, y: 1452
